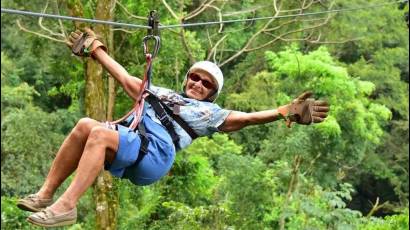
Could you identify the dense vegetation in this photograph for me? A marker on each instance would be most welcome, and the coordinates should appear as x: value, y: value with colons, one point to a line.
x: 349, y: 172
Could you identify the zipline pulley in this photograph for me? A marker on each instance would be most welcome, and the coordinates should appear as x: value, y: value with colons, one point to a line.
x: 153, y: 23
x: 152, y: 33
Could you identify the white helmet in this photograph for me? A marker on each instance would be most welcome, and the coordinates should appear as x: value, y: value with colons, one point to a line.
x: 213, y: 70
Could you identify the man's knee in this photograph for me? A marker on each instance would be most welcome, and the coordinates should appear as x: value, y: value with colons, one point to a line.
x: 98, y: 134
x: 102, y: 136
x: 84, y: 125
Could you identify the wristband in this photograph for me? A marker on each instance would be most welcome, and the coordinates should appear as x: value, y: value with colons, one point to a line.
x: 96, y: 43
x: 284, y: 113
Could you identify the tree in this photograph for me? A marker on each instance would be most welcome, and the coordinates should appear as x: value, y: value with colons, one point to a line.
x: 95, y: 98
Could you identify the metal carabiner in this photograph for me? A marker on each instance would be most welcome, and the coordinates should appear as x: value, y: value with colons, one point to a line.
x: 157, y: 45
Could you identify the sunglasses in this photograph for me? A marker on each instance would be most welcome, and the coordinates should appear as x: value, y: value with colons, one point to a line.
x: 207, y: 84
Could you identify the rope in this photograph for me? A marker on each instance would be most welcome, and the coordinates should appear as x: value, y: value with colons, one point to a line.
x: 29, y: 13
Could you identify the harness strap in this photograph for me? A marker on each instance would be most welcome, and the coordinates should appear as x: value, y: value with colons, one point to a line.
x: 163, y: 108
x: 181, y: 122
x: 164, y: 119
x: 144, y: 138
x: 144, y: 142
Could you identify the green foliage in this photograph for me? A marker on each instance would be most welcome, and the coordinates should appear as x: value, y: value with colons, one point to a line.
x: 353, y: 129
x: 191, y: 179
x: 393, y: 222
x: 213, y: 147
x: 20, y: 146
x: 29, y: 134
x: 11, y: 216
x: 137, y: 204
x: 184, y: 217
x: 244, y: 190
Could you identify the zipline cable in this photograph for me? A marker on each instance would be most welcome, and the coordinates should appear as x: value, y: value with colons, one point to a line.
x: 120, y: 24
x: 29, y: 13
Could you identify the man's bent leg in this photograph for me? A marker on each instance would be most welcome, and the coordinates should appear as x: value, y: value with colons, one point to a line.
x: 68, y: 156
x: 101, y: 146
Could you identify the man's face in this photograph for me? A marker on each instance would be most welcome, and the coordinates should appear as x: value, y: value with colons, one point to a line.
x: 200, y: 85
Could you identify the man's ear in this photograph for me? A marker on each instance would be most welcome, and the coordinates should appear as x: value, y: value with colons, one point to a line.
x: 211, y: 93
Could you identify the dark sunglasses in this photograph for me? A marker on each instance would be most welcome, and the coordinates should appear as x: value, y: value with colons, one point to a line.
x: 195, y: 77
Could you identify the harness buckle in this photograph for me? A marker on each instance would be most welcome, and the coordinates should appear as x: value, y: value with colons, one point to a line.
x: 164, y: 119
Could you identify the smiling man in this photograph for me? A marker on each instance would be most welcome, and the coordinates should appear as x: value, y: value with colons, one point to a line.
x: 145, y: 155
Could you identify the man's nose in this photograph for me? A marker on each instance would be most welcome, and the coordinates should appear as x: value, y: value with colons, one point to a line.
x: 198, y: 83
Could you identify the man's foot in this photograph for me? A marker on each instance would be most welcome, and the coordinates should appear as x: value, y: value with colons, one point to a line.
x: 33, y: 203
x: 47, y: 218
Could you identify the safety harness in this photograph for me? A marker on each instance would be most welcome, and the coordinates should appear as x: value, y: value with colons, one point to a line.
x: 165, y: 115
x: 163, y: 112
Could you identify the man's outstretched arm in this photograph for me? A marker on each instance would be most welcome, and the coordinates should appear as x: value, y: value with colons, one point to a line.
x: 237, y: 120
x: 303, y: 110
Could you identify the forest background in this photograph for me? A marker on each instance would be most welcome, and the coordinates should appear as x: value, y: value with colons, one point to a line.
x: 349, y: 172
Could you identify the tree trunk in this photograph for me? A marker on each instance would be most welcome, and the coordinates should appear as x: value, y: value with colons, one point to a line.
x: 106, y: 199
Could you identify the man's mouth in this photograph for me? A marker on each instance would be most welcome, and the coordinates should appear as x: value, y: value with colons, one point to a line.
x: 195, y: 91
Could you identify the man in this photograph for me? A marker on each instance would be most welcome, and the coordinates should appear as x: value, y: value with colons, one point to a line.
x: 92, y: 145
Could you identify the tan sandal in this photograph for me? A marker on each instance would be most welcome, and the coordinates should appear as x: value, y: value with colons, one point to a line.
x: 33, y: 203
x: 48, y: 218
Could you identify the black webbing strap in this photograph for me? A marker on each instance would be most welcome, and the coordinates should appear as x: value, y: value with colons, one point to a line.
x: 180, y: 121
x: 144, y: 142
x: 163, y: 113
x: 162, y: 110
x: 144, y: 137
x: 164, y: 119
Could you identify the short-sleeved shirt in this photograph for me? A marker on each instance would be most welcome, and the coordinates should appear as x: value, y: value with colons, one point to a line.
x: 202, y: 116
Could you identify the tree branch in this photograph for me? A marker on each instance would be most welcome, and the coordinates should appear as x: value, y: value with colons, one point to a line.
x: 127, y: 12
x: 60, y: 22
x: 292, y: 185
x: 186, y: 46
x: 40, y: 23
x: 38, y: 34
x: 244, y: 11
x: 213, y: 50
x: 181, y: 33
x: 376, y: 207
x: 170, y: 10
x: 245, y: 47
x: 250, y: 41
x: 280, y: 37
x: 198, y: 10
x: 221, y: 25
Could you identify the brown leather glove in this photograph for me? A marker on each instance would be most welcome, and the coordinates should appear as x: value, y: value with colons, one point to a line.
x: 84, y: 44
x: 304, y: 110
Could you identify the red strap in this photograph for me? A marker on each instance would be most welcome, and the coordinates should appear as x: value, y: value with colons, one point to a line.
x: 139, y: 103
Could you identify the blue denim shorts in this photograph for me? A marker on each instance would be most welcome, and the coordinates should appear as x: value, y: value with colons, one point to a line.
x: 154, y: 165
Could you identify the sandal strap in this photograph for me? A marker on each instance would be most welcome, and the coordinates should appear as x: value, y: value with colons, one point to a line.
x: 44, y: 214
x: 34, y: 198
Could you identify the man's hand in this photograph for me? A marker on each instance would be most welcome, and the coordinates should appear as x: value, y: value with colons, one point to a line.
x: 304, y: 110
x: 84, y: 43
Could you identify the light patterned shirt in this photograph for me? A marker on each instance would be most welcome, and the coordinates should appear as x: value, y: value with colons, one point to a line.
x: 203, y: 117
